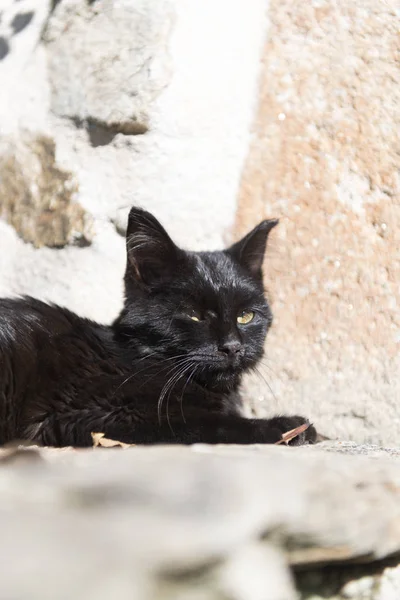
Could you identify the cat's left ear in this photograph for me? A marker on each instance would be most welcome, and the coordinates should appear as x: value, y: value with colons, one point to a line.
x: 249, y: 251
x: 152, y: 257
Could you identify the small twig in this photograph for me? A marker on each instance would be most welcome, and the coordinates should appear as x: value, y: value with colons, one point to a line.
x: 290, y: 435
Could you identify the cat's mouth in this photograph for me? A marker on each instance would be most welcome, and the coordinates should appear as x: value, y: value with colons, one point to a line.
x: 221, y: 364
x: 218, y: 374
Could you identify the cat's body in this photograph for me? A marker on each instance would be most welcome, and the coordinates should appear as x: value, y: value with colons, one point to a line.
x: 166, y: 371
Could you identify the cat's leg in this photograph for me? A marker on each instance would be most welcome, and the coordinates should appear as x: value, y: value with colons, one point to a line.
x: 226, y: 430
x: 210, y: 429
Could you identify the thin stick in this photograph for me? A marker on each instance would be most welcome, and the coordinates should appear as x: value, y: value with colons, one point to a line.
x: 290, y: 435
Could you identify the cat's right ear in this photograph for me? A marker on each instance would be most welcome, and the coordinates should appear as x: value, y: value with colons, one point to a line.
x: 151, y: 254
x: 250, y: 250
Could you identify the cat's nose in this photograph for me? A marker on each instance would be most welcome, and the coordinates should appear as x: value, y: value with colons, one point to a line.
x: 230, y: 347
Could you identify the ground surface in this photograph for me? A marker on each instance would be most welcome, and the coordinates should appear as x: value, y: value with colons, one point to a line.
x: 201, y: 523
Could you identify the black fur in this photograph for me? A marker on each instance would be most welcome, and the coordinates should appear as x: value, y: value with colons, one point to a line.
x: 155, y: 375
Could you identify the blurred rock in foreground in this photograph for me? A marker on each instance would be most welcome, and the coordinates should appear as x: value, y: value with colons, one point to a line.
x: 212, y: 523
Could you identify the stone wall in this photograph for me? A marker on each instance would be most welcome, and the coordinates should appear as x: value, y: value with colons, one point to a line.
x: 325, y: 159
x: 107, y: 104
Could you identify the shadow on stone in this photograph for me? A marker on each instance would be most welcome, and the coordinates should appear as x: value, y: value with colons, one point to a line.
x: 344, y: 580
x: 101, y: 134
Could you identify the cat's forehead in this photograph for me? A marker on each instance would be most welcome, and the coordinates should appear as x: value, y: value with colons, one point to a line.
x: 216, y: 269
x: 215, y: 273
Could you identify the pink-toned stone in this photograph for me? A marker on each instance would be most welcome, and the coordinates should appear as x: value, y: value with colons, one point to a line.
x: 325, y: 159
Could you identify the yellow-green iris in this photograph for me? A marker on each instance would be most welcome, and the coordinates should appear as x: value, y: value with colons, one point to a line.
x: 245, y: 317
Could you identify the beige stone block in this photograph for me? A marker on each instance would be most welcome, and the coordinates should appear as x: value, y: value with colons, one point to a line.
x: 324, y: 159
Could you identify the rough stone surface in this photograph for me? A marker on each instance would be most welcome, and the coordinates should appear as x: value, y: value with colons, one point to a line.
x: 38, y: 196
x: 154, y: 69
x: 21, y: 26
x: 352, y: 448
x: 108, y: 61
x: 212, y: 523
x: 324, y: 158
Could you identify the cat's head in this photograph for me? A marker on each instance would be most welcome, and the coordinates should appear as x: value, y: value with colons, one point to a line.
x: 206, y: 309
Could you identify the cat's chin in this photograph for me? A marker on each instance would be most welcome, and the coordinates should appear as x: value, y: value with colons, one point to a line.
x: 221, y: 380
x: 222, y: 375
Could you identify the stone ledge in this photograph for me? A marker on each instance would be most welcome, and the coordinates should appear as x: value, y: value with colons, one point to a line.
x: 223, y: 522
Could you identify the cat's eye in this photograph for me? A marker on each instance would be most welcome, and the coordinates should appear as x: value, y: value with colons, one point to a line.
x: 245, y: 317
x: 194, y: 315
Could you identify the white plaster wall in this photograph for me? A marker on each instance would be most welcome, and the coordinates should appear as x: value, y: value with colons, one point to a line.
x: 202, y: 121
x: 185, y: 169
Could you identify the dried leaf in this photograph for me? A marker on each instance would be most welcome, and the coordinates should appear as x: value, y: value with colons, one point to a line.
x: 290, y: 435
x: 100, y: 440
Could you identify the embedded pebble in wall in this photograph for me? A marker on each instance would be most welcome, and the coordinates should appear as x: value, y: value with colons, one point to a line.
x: 4, y: 47
x: 14, y: 18
x: 20, y: 21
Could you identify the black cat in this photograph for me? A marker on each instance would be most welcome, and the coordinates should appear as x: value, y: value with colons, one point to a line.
x: 166, y: 371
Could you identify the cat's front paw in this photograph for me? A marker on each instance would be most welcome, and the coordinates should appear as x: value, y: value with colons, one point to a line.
x: 285, y: 424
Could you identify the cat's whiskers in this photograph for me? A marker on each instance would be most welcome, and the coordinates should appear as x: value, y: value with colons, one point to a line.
x: 128, y: 378
x: 180, y: 370
x: 264, y: 363
x: 176, y: 370
x: 184, y: 389
x: 162, y: 369
x: 180, y: 375
x: 258, y: 372
x: 135, y: 373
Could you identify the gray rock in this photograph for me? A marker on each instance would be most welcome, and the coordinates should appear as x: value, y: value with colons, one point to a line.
x: 190, y: 523
x: 108, y: 62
